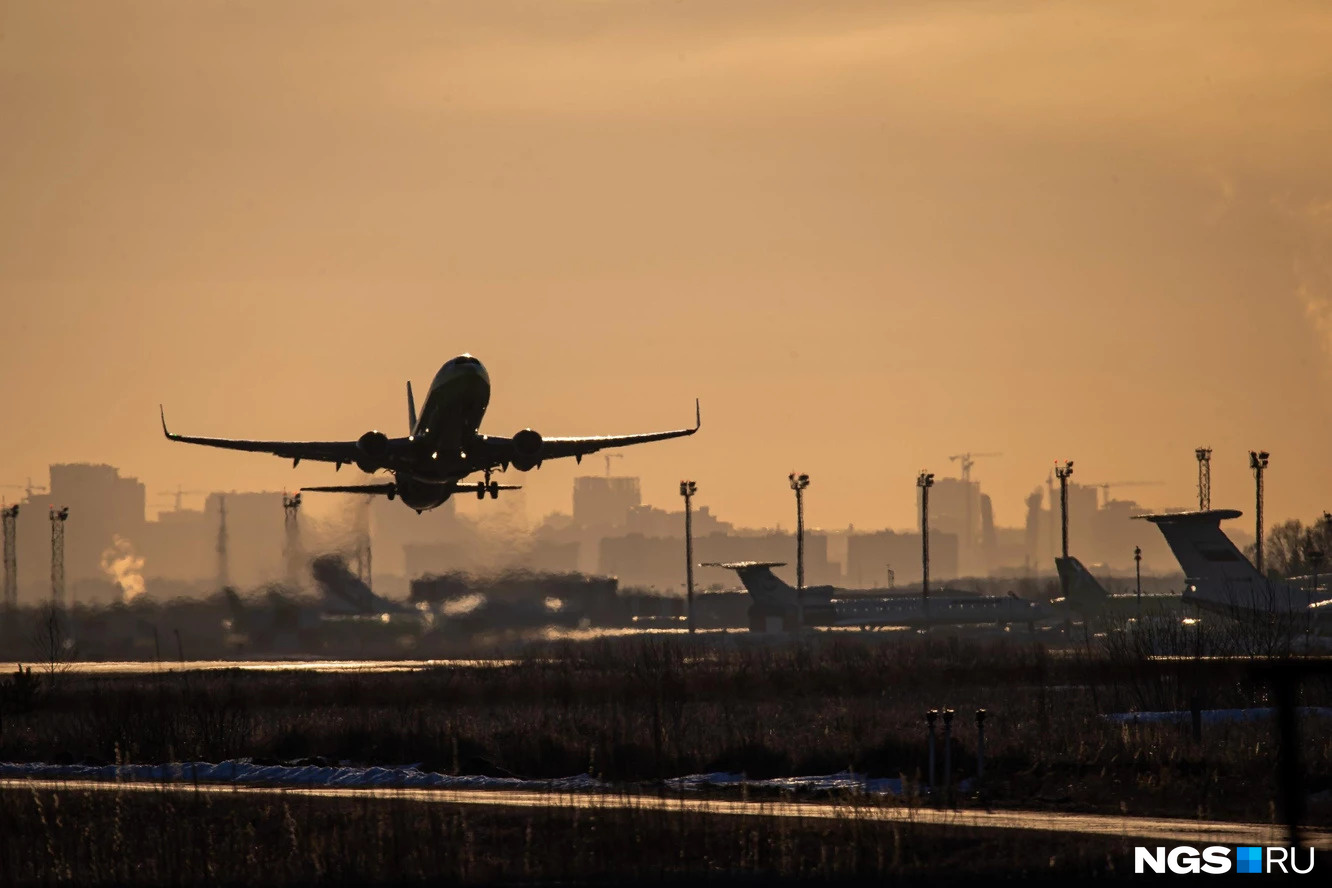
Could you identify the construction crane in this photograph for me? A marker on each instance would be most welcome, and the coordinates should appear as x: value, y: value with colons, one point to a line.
x: 28, y: 488
x: 609, y: 457
x: 968, y: 460
x: 1105, y: 488
x: 178, y: 493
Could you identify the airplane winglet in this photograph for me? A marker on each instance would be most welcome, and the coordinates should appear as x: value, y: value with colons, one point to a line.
x: 698, y: 416
x: 162, y: 411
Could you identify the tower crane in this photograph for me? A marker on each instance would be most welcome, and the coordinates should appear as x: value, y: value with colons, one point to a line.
x: 968, y: 459
x: 178, y: 493
x: 28, y: 488
x: 1105, y: 487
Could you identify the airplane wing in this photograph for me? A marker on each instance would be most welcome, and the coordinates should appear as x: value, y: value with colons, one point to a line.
x: 339, y: 452
x: 389, y: 490
x: 504, y: 450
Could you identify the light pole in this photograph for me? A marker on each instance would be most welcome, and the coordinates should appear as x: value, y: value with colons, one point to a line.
x: 58, y: 519
x: 1062, y: 472
x: 9, y: 519
x: 1204, y: 455
x: 1137, y: 569
x: 925, y: 480
x: 687, y: 490
x: 1258, y: 462
x: 798, y: 484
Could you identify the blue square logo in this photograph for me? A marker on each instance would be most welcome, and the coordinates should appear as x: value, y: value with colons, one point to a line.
x: 1248, y: 859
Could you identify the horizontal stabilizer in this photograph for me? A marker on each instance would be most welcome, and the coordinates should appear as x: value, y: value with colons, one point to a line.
x: 388, y: 490
x: 480, y: 487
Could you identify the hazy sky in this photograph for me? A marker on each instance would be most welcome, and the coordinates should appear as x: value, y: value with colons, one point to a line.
x: 868, y: 235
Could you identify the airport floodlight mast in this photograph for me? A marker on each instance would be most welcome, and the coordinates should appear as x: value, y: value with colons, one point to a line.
x: 687, y: 490
x: 1062, y: 472
x: 291, y: 506
x: 1204, y: 455
x: 925, y: 480
x: 58, y: 517
x: 10, y: 516
x: 798, y: 484
x: 1258, y: 462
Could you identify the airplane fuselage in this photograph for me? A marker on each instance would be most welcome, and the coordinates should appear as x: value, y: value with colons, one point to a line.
x: 452, y: 412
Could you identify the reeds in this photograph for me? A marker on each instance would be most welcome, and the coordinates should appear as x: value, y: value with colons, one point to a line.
x: 652, y: 709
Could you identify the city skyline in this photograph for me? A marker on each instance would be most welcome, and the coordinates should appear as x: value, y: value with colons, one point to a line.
x: 611, y: 531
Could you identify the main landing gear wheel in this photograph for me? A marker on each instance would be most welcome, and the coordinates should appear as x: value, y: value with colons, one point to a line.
x: 492, y: 487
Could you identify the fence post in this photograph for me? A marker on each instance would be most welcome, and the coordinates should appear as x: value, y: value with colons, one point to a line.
x: 930, y: 718
x: 948, y: 753
x: 980, y: 744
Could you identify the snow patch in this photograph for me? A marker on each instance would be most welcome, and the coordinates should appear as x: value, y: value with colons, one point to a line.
x: 245, y: 771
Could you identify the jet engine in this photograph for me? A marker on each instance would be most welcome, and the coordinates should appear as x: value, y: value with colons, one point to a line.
x: 526, y: 449
x: 372, y: 445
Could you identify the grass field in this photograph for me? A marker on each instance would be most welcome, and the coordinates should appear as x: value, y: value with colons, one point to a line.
x: 76, y: 837
x: 645, y: 709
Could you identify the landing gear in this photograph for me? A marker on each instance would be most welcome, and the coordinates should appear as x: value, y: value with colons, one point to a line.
x: 487, y: 486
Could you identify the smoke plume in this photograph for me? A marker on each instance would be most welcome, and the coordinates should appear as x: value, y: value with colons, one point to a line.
x: 121, y: 564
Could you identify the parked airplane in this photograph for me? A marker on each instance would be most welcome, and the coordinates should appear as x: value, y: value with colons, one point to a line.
x: 443, y: 445
x: 1088, y: 598
x: 1219, y: 578
x: 779, y: 606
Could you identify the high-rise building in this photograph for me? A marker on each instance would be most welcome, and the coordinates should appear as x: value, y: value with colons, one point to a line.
x: 603, y: 501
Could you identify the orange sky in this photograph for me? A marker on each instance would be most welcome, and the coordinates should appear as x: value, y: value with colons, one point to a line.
x: 867, y: 235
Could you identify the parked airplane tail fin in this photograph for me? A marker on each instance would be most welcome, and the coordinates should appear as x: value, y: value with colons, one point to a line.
x: 1219, y: 576
x: 1084, y: 591
x: 766, y: 588
x: 1202, y: 548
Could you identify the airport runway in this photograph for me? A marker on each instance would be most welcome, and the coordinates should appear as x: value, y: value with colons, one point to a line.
x: 1157, y: 829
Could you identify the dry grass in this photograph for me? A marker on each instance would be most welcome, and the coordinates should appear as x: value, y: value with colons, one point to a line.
x: 651, y: 708
x: 76, y: 837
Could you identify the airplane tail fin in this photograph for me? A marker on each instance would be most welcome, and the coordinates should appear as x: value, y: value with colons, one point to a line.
x: 411, y: 410
x: 1219, y: 576
x: 1202, y: 549
x: 1084, y: 591
x: 767, y: 589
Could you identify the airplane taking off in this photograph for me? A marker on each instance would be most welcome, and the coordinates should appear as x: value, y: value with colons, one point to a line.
x: 778, y: 606
x: 443, y: 446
